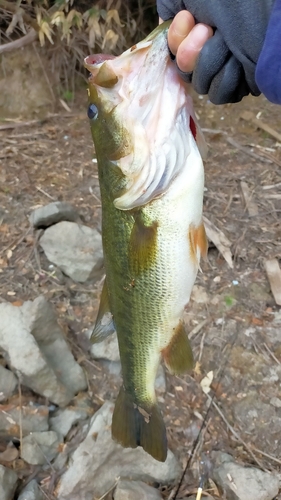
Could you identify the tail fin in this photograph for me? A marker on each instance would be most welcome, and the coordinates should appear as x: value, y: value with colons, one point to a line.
x: 134, y: 425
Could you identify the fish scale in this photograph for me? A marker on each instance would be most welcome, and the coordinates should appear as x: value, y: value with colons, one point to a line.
x: 151, y: 180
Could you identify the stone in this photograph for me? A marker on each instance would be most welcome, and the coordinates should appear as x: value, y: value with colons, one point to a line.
x: 8, y: 383
x: 32, y: 492
x: 261, y: 419
x: 62, y: 420
x: 8, y: 483
x: 41, y: 447
x: 76, y: 249
x: 25, y: 419
x: 107, y: 349
x: 243, y: 483
x: 114, y: 368
x: 53, y: 213
x: 98, y: 461
x: 160, y: 381
x: 135, y: 490
x: 199, y: 295
x: 251, y: 412
x: 275, y: 402
x: 34, y: 346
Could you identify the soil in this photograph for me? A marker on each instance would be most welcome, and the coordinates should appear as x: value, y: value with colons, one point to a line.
x: 232, y: 317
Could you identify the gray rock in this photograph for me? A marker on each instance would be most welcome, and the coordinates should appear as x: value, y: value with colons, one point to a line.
x: 75, y: 249
x: 8, y: 483
x: 99, y: 460
x: 40, y: 447
x: 35, y: 347
x: 27, y: 417
x: 52, y: 213
x: 32, y: 492
x: 107, y: 349
x: 8, y: 383
x: 243, y: 483
x: 63, y: 419
x: 275, y: 402
x: 113, y: 367
x: 260, y: 419
x: 160, y: 382
x: 135, y: 490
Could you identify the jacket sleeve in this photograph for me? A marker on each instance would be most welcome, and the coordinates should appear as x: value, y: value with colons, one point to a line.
x: 226, y: 66
x: 268, y: 71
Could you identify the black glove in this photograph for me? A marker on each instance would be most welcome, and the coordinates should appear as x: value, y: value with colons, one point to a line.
x: 225, y: 68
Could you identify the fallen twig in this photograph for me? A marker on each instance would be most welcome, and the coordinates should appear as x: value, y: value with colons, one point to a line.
x: 272, y: 354
x: 110, y: 489
x: 235, y: 434
x: 247, y: 151
x: 274, y: 459
x: 21, y: 42
x: 273, y: 272
x: 250, y: 117
x: 45, y: 193
x: 220, y: 240
x: 18, y: 124
x: 250, y: 205
x: 197, y: 328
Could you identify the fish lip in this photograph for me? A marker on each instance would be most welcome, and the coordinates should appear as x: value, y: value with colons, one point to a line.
x: 94, y: 60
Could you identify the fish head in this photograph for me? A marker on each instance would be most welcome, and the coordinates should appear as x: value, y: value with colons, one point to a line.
x: 141, y: 116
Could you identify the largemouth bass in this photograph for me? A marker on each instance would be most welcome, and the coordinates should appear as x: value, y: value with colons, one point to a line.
x: 151, y: 181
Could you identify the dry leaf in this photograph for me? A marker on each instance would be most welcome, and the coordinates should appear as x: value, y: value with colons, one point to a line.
x: 206, y: 382
x: 251, y: 206
x: 10, y: 454
x: 220, y: 240
x: 274, y: 276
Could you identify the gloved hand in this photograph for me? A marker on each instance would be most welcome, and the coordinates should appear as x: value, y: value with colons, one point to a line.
x: 225, y: 68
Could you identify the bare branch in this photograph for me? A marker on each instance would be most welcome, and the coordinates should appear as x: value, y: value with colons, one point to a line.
x: 11, y: 7
x: 21, y: 42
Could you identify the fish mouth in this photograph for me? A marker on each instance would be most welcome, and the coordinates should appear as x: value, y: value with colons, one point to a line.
x: 94, y: 59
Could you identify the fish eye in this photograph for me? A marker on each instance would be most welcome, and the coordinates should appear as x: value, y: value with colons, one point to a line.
x: 93, y: 112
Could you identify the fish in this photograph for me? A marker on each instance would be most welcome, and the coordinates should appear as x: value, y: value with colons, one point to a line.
x: 151, y: 179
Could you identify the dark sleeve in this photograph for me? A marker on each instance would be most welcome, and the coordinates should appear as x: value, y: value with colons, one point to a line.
x: 268, y: 71
x: 225, y: 68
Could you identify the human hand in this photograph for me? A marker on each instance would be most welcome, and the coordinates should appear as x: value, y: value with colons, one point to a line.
x: 186, y: 39
x: 225, y: 64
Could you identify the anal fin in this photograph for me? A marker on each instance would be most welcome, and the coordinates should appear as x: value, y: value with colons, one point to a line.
x: 178, y: 355
x: 139, y: 425
x: 104, y: 325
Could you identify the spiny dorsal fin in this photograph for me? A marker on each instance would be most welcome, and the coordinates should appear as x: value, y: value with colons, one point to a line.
x: 104, y: 325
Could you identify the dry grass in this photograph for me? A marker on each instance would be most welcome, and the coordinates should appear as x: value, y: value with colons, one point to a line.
x: 70, y: 30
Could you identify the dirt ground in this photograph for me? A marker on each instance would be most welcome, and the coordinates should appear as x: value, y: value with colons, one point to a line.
x: 233, y: 319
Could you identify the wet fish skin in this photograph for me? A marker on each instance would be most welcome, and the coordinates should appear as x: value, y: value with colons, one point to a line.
x: 151, y: 182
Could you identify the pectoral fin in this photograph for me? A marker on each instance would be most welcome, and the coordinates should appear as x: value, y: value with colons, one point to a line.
x: 198, y: 242
x: 178, y: 355
x: 143, y: 244
x: 104, y: 325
